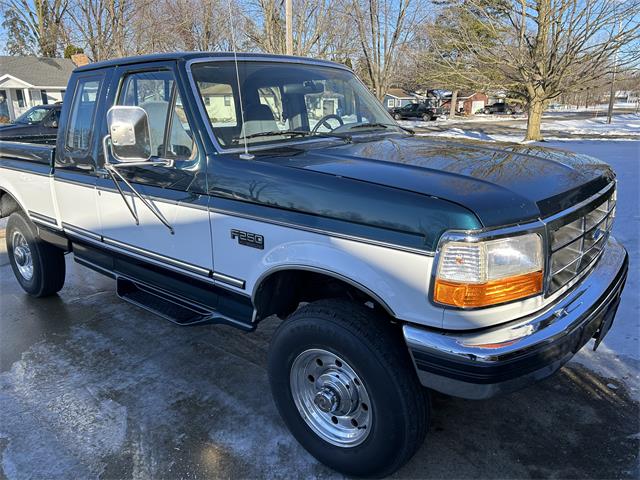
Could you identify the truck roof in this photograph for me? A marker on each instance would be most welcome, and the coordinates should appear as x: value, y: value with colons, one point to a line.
x: 186, y: 56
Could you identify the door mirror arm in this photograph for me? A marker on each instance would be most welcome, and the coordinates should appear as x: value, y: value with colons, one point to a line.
x: 112, y: 170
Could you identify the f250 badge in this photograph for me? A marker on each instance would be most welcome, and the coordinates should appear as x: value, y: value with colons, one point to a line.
x: 247, y: 238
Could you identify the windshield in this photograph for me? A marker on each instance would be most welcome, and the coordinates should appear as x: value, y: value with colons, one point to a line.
x: 34, y: 115
x: 283, y: 101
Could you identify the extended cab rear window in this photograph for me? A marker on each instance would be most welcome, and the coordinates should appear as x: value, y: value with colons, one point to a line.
x: 78, y: 136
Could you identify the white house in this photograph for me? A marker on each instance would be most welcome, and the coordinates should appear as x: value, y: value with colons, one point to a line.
x: 398, y: 97
x: 29, y: 81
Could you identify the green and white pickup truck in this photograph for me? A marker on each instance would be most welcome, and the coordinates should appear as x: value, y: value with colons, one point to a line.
x: 216, y: 191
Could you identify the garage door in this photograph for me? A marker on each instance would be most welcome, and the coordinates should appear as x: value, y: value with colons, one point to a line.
x: 476, y: 105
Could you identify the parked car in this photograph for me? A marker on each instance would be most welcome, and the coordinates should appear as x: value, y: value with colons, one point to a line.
x: 395, y: 262
x: 37, y: 124
x: 501, y: 107
x: 425, y: 111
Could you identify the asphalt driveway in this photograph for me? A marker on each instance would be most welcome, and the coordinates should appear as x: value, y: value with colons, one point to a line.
x: 93, y: 387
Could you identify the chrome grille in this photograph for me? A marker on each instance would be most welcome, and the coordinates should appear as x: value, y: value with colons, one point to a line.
x: 576, y: 244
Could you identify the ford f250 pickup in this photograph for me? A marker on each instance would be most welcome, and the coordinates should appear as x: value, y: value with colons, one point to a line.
x: 223, y: 190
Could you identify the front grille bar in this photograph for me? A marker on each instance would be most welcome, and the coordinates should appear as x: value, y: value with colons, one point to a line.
x: 585, y: 255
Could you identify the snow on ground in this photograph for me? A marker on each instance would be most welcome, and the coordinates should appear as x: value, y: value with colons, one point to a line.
x: 478, y: 118
x: 602, y: 106
x: 625, y: 127
x: 456, y: 132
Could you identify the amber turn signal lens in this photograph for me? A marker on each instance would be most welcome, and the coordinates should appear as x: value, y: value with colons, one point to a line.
x: 489, y: 293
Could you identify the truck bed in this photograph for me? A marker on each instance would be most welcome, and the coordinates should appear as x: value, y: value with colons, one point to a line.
x: 29, y: 152
x: 25, y: 170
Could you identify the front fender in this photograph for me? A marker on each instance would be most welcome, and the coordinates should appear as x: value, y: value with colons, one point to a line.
x: 396, y: 278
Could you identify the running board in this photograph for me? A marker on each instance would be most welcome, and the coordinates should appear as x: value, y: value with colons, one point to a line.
x: 170, y: 307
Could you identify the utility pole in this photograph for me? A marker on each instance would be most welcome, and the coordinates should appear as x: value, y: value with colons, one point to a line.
x: 612, y: 92
x: 288, y: 13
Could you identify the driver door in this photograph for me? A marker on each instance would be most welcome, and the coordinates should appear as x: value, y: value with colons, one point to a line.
x: 176, y: 191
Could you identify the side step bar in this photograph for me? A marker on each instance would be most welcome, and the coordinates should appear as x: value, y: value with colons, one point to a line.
x: 171, y: 307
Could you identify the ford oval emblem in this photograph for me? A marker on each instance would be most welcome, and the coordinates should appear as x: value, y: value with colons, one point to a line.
x: 597, y: 234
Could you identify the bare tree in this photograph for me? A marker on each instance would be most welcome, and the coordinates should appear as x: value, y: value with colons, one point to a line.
x: 102, y: 26
x: 37, y: 24
x: 384, y: 28
x: 315, y: 30
x: 544, y: 48
x: 198, y: 25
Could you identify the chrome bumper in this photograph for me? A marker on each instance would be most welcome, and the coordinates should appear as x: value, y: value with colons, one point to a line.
x: 484, y: 363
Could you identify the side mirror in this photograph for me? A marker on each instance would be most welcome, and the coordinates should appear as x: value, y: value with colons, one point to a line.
x: 129, y: 132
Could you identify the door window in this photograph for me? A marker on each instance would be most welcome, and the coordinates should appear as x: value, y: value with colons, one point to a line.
x: 170, y: 132
x: 155, y: 92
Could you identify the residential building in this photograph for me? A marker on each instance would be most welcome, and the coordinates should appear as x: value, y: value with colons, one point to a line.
x: 468, y: 103
x: 398, y: 97
x: 29, y: 81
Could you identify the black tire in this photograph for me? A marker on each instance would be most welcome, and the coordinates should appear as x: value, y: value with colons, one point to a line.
x: 397, y: 116
x: 426, y: 117
x: 375, y: 350
x: 48, y: 261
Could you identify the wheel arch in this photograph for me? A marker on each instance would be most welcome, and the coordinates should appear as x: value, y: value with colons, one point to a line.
x: 281, y: 289
x: 9, y: 203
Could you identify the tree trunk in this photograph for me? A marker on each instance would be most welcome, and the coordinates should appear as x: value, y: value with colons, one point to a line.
x: 454, y: 101
x: 536, y: 107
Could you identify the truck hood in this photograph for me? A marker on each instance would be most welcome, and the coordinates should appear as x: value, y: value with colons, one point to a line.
x: 503, y: 184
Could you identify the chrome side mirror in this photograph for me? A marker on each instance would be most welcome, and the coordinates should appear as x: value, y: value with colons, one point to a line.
x: 129, y: 132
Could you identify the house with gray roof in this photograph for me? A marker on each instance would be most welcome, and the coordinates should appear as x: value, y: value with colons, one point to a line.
x: 29, y: 81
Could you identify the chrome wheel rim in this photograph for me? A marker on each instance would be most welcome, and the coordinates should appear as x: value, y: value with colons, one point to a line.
x: 22, y: 256
x: 331, y: 397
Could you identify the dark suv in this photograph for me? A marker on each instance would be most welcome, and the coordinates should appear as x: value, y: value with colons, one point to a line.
x: 425, y: 111
x: 501, y: 107
x: 36, y: 125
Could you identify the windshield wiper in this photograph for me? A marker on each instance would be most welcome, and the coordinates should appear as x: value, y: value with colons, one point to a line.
x: 296, y: 133
x: 273, y: 133
x: 382, y: 125
x: 370, y: 125
x: 406, y: 129
x: 345, y: 137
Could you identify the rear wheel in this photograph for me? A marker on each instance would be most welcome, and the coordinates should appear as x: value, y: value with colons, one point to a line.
x: 38, y: 266
x: 345, y: 386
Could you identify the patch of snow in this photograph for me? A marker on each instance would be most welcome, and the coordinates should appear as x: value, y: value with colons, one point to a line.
x: 480, y: 118
x: 621, y: 125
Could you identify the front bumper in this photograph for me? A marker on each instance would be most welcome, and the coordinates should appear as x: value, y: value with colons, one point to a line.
x: 484, y: 363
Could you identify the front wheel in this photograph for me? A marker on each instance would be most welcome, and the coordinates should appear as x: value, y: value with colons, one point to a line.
x: 397, y: 116
x: 344, y: 384
x: 38, y: 266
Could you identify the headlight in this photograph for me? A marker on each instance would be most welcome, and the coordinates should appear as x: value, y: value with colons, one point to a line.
x: 489, y: 272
